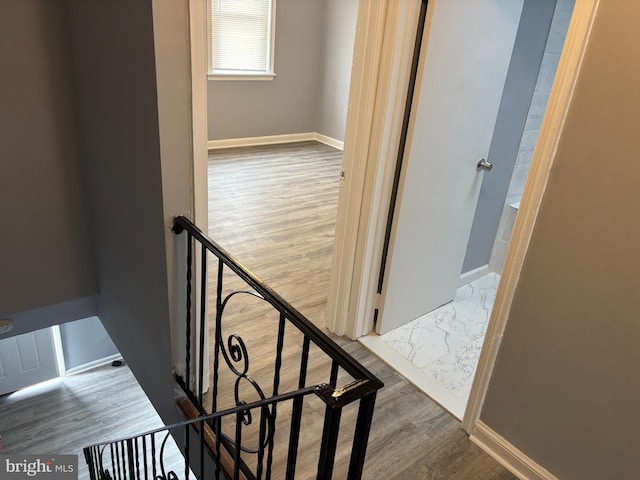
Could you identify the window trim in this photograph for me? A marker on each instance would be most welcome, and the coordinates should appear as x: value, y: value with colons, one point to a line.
x: 218, y: 75
x: 230, y: 75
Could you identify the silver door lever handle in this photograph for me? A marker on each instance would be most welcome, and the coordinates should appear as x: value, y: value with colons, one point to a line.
x: 484, y: 165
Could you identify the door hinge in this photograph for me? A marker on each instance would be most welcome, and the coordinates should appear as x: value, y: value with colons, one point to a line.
x: 342, y: 177
x: 377, y: 300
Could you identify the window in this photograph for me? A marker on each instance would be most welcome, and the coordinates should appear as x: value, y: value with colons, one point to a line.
x: 242, y: 38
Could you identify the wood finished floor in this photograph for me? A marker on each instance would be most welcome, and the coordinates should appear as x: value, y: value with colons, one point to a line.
x: 411, y: 438
x: 274, y: 208
x: 65, y: 415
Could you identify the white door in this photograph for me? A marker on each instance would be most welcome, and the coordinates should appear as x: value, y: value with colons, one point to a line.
x: 27, y: 359
x: 464, y: 59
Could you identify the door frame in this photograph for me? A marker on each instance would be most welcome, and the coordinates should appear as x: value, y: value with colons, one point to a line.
x: 382, y: 60
x: 198, y: 11
x: 543, y: 157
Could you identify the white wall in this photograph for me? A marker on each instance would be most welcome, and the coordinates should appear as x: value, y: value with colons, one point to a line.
x: 339, y: 36
x: 565, y: 387
x: 173, y: 76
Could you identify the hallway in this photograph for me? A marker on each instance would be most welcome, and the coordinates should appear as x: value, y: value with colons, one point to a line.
x: 274, y: 207
x: 411, y: 437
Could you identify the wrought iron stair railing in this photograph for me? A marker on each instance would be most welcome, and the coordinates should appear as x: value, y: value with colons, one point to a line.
x: 299, y: 407
x: 297, y: 355
x: 154, y: 454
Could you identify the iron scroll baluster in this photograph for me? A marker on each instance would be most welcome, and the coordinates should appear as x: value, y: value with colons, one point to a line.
x: 143, y: 456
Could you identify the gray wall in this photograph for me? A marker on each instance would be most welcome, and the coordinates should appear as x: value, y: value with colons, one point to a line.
x: 557, y: 35
x: 45, y: 245
x: 565, y: 387
x: 544, y: 82
x: 518, y: 91
x: 339, y: 36
x: 286, y: 104
x: 85, y: 341
x: 96, y: 142
x: 118, y: 105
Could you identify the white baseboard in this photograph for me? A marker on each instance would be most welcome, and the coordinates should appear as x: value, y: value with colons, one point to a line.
x: 274, y: 140
x: 94, y: 364
x: 474, y: 274
x: 254, y: 141
x: 507, y: 455
x: 332, y: 142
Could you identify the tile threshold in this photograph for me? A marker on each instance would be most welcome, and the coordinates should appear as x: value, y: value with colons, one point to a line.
x: 410, y: 372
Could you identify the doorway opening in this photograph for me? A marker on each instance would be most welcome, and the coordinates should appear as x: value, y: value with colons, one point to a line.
x: 31, y: 358
x: 438, y: 348
x: 275, y: 153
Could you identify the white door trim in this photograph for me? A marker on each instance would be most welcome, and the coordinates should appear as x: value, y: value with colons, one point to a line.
x: 383, y: 54
x: 199, y: 126
x: 382, y: 61
x: 562, y: 91
x: 57, y: 345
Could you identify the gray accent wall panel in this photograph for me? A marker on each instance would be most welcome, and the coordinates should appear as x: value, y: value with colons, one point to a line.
x: 46, y: 253
x: 116, y: 80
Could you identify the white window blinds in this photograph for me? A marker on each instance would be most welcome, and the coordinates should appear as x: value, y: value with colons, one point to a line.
x: 241, y: 36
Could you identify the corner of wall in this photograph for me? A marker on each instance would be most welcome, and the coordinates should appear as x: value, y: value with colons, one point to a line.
x: 508, y: 455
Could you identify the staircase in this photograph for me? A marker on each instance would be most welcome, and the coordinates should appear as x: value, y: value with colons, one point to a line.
x: 266, y: 394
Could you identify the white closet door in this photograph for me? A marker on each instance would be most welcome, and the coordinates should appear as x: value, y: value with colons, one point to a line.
x: 26, y: 360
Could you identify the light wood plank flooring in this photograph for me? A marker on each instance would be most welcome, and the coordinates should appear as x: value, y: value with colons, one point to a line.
x: 274, y: 207
x: 411, y: 438
x: 65, y: 415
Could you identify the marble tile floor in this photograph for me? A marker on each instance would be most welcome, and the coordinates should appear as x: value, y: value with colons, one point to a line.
x: 439, y: 351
